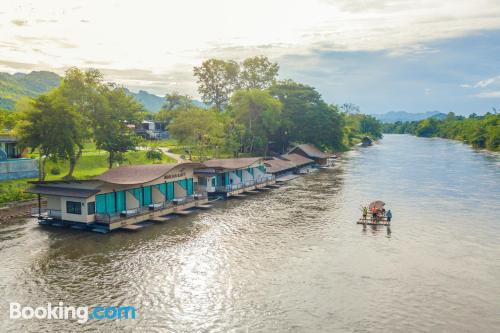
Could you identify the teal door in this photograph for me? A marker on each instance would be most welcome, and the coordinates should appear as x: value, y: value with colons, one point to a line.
x: 170, y: 191
x: 147, y: 195
x: 120, y: 201
x: 110, y: 203
x: 189, y: 186
x: 100, y: 204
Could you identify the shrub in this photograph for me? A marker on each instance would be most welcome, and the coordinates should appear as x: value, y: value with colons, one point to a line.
x: 55, y: 170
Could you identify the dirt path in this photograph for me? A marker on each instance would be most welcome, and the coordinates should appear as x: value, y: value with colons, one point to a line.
x: 176, y: 157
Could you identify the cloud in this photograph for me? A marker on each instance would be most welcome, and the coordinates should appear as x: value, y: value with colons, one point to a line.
x: 465, y: 85
x: 488, y: 94
x: 487, y: 82
x: 19, y: 23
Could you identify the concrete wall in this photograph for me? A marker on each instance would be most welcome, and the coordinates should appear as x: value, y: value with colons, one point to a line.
x: 18, y: 168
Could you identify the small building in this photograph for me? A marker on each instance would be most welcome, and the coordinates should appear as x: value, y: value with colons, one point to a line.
x: 12, y: 164
x: 366, y: 141
x: 284, y: 167
x: 227, y: 177
x: 152, y: 130
x: 312, y: 152
x: 122, y: 196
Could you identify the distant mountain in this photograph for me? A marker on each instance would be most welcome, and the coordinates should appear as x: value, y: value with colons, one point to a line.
x: 15, y: 86
x: 151, y: 102
x: 393, y: 116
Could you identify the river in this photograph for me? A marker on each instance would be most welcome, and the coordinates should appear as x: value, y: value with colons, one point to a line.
x: 290, y: 260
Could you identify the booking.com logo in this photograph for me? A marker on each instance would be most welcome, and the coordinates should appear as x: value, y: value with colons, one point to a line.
x: 81, y: 314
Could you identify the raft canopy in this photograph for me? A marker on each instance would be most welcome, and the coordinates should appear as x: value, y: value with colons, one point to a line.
x: 377, y: 204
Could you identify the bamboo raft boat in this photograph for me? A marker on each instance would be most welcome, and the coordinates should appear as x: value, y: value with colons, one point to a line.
x: 369, y: 221
x: 380, y: 219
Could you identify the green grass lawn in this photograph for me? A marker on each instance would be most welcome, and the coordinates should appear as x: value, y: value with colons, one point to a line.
x: 92, y: 163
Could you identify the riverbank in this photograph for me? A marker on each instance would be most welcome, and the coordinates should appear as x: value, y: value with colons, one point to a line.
x: 481, y: 132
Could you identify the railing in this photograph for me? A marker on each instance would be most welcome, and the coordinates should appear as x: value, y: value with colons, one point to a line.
x: 46, y: 212
x: 110, y: 217
x: 233, y: 187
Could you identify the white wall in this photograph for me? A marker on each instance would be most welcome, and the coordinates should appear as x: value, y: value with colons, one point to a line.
x: 76, y: 217
x: 130, y: 201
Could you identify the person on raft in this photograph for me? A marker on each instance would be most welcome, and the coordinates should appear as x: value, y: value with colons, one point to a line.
x: 365, y: 212
x: 388, y: 215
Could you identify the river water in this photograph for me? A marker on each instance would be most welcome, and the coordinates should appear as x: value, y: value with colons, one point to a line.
x: 290, y: 260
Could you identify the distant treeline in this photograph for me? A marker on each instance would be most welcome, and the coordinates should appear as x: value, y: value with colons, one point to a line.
x: 479, y: 131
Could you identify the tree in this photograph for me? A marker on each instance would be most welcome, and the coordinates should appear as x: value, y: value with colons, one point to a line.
x: 154, y: 154
x: 350, y: 108
x: 199, y: 128
x: 110, y: 123
x: 427, y: 127
x: 258, y: 73
x: 217, y: 79
x: 81, y: 89
x: 53, y: 126
x: 175, y: 101
x: 259, y: 113
x: 306, y: 117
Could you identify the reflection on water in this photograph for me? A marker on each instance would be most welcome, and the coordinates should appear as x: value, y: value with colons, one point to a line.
x: 292, y: 259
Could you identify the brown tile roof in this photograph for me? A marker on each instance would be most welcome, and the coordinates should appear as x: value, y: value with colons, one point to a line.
x: 232, y: 163
x: 297, y: 159
x: 311, y: 151
x: 276, y: 165
x: 139, y: 174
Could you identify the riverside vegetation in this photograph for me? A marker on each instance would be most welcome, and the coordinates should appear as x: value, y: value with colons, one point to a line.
x: 84, y: 126
x: 478, y: 131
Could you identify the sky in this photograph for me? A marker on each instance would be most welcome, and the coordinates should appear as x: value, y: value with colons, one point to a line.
x: 382, y: 55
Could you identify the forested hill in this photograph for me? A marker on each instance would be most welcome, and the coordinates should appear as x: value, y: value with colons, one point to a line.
x: 15, y: 86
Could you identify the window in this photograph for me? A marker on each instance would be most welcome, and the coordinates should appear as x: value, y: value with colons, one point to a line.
x: 91, y: 208
x: 74, y: 207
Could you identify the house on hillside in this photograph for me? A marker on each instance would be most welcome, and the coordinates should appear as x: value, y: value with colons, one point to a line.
x: 12, y: 164
x: 312, y: 152
x: 152, y: 130
x: 233, y: 176
x: 120, y: 197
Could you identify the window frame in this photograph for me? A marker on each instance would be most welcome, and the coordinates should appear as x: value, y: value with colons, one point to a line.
x: 76, y: 207
x: 89, y: 205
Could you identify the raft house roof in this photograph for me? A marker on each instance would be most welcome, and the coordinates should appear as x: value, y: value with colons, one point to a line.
x: 276, y: 164
x: 62, y: 191
x: 299, y: 160
x: 124, y: 175
x: 140, y: 174
x: 311, y: 151
x: 230, y: 164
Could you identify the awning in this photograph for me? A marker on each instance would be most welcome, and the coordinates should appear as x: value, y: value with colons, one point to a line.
x: 61, y: 191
